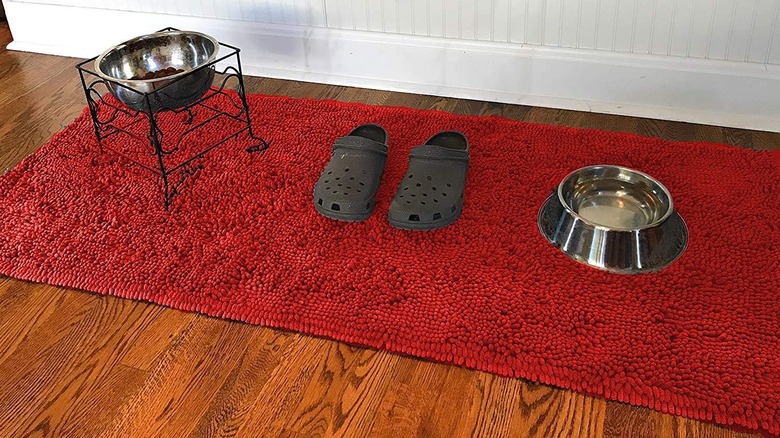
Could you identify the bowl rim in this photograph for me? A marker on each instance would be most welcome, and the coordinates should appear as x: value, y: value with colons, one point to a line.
x: 669, y: 211
x: 129, y: 82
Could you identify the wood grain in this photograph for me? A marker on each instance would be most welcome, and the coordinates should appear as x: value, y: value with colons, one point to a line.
x: 79, y: 364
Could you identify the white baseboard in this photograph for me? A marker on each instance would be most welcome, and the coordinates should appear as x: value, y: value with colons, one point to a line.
x: 734, y: 94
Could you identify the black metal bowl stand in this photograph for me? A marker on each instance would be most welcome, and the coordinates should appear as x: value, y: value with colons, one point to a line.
x: 118, y: 119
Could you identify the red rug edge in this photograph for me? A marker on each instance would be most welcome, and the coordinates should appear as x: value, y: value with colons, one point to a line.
x: 774, y: 154
x: 523, y: 122
x: 660, y: 400
x: 555, y: 376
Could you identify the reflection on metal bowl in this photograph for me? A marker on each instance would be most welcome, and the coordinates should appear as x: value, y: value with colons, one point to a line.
x: 614, y: 218
x: 182, y: 50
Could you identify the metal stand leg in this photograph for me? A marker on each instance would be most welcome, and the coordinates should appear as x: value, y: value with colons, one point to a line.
x: 156, y: 142
x: 92, y: 109
x: 262, y: 145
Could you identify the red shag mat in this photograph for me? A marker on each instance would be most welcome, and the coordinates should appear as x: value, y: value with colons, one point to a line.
x: 700, y: 339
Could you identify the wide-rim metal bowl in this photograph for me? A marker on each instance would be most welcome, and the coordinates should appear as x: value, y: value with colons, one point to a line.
x: 185, y: 50
x: 614, y: 218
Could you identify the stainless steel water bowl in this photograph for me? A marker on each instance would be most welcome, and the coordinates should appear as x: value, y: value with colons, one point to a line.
x: 614, y: 218
x: 154, y: 52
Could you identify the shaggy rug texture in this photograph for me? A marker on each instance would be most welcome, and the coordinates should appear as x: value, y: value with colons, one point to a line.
x: 242, y: 241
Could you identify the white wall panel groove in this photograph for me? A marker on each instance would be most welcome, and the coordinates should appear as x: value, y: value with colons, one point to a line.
x: 735, y: 30
x: 706, y: 61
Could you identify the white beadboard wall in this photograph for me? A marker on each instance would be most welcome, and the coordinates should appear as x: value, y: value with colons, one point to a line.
x: 705, y: 61
x: 734, y: 30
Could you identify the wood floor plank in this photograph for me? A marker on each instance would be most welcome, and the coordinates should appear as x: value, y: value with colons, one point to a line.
x: 234, y: 401
x: 500, y: 411
x: 88, y: 414
x: 80, y: 364
x: 65, y: 359
x: 157, y: 336
x: 623, y: 420
x: 335, y: 395
x: 585, y: 415
x: 26, y: 306
x: 463, y: 392
x: 36, y: 106
x: 284, y: 390
x: 406, y: 409
x: 710, y: 134
x: 766, y: 140
x: 185, y: 381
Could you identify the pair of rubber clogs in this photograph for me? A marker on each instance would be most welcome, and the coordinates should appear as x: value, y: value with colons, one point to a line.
x: 430, y: 196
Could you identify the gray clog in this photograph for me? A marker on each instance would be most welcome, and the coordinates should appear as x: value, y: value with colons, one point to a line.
x: 431, y: 194
x: 346, y: 188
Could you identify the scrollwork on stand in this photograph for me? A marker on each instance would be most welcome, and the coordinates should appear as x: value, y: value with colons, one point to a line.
x: 110, y: 118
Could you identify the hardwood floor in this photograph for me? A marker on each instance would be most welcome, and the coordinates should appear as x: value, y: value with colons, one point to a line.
x: 78, y: 364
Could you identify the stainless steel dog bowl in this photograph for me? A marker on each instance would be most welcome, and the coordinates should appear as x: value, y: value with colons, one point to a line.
x: 614, y: 218
x: 150, y: 53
